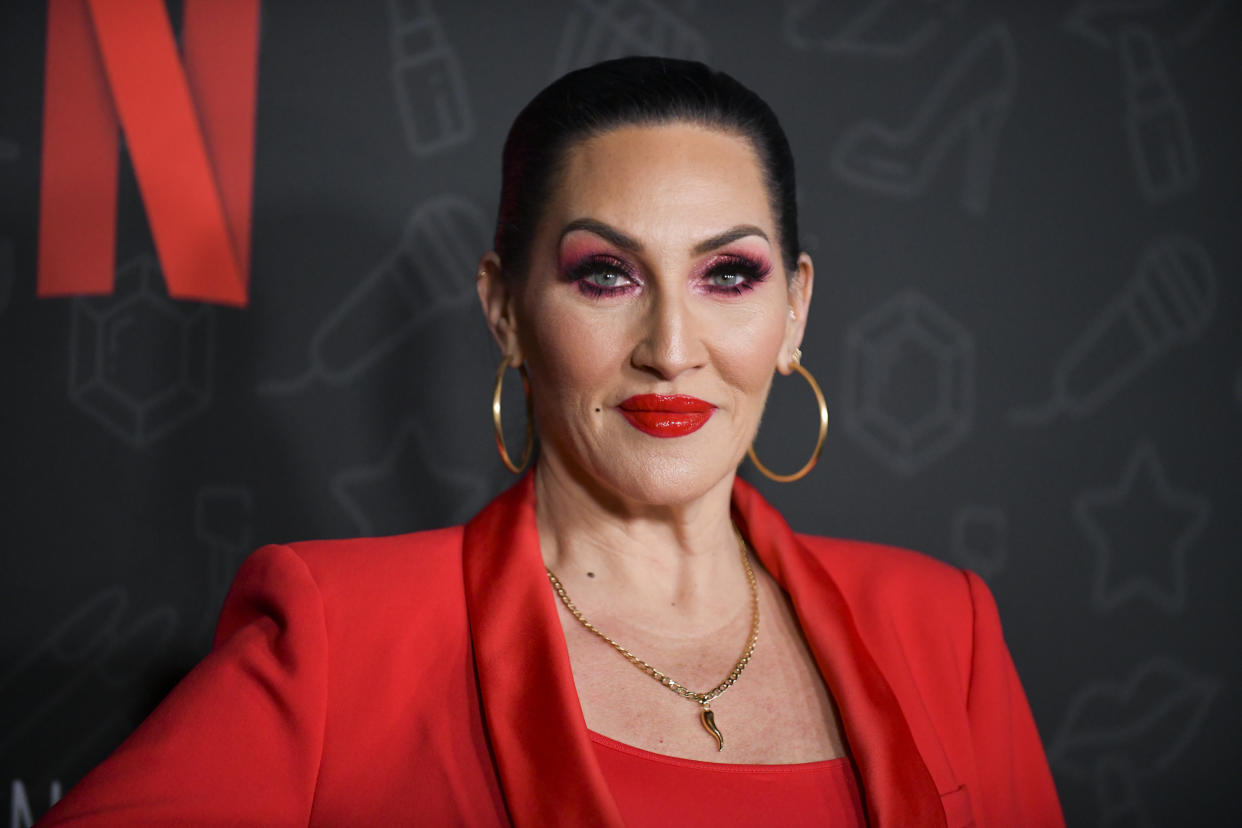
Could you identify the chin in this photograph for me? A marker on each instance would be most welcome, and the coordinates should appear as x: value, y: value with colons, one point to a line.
x: 663, y: 478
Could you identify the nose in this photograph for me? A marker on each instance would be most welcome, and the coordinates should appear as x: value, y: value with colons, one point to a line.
x: 670, y: 342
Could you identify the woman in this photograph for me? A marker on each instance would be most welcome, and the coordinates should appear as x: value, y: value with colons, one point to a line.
x: 647, y: 281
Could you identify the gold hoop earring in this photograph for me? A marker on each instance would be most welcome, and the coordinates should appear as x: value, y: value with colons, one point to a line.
x: 819, y: 442
x: 530, y: 416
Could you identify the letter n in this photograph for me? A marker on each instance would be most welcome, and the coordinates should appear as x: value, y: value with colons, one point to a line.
x: 113, y: 65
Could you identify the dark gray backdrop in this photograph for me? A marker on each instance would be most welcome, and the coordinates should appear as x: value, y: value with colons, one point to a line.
x: 1025, y: 218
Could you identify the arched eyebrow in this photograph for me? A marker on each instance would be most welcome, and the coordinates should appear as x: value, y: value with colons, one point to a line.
x: 632, y: 245
x: 730, y: 235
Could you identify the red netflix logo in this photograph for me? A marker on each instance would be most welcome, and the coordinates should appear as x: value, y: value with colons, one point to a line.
x: 189, y: 127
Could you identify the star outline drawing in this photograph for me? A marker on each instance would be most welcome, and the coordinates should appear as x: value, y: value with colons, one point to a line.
x: 1143, y: 475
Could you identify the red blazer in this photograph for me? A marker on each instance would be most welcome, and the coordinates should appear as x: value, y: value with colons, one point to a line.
x: 424, y: 678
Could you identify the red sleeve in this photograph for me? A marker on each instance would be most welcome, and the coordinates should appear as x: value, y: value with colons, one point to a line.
x: 238, y: 741
x: 1016, y: 785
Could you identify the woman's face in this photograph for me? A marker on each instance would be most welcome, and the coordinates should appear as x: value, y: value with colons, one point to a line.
x: 654, y: 311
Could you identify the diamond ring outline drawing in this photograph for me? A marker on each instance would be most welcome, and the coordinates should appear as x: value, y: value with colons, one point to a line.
x: 140, y: 364
x: 430, y: 90
x: 1169, y: 301
x: 969, y: 103
x: 877, y: 28
x: 597, y: 30
x: 428, y: 273
x: 908, y: 331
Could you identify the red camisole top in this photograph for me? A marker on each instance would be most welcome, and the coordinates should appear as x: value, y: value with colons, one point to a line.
x: 653, y: 789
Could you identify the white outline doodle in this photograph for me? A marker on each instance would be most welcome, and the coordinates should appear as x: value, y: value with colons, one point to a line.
x: 428, y: 274
x: 597, y: 30
x: 1099, y: 21
x: 98, y: 326
x: 970, y: 102
x: 1169, y: 301
x: 874, y: 346
x: 1157, y: 131
x: 410, y: 440
x: 872, y: 30
x: 427, y: 80
x: 94, y: 646
x: 1110, y: 588
x: 1130, y: 719
x: 988, y: 559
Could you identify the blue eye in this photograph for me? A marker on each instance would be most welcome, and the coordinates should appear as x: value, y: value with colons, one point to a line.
x: 727, y: 279
x: 734, y: 274
x: 606, y: 278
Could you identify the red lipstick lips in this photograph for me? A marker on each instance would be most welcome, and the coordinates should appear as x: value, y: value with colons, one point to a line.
x: 666, y: 415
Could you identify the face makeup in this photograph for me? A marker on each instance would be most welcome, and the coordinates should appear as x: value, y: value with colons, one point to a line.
x: 666, y: 415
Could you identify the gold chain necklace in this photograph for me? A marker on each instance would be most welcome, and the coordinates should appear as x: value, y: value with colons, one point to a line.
x: 704, y: 699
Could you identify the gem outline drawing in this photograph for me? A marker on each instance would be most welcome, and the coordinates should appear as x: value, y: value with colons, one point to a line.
x: 96, y: 325
x: 873, y: 344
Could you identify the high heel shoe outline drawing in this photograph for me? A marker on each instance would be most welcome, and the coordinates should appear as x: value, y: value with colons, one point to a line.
x: 970, y: 102
x: 883, y: 29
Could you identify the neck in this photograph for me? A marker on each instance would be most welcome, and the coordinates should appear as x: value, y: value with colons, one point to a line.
x: 654, y: 563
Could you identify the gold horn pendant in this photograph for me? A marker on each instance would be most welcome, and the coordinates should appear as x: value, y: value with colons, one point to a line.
x: 709, y: 722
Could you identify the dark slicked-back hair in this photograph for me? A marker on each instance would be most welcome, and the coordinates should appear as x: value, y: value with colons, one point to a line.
x: 632, y: 91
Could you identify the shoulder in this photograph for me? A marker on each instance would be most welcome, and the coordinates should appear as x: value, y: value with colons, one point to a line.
x: 905, y: 587
x: 379, y: 578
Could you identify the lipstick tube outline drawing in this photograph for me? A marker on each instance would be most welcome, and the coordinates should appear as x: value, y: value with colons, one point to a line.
x: 430, y: 90
x: 1156, y: 126
x: 601, y: 29
x: 1170, y: 300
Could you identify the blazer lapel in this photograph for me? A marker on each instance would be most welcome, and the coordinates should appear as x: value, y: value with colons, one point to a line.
x: 897, y: 787
x: 538, y: 737
x: 547, y: 765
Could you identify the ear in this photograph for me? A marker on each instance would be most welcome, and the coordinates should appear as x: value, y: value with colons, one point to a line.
x: 800, y: 287
x: 498, y: 306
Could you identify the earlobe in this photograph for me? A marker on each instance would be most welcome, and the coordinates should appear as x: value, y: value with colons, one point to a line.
x: 800, y: 287
x: 498, y: 308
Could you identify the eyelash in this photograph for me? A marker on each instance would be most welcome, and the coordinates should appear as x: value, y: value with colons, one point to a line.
x: 753, y: 272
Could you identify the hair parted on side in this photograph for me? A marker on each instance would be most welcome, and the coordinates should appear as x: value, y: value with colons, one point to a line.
x: 632, y: 91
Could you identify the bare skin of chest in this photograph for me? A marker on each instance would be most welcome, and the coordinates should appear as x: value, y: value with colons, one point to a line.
x: 778, y: 712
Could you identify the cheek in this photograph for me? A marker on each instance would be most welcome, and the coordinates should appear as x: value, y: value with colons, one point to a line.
x: 747, y: 356
x: 571, y: 356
